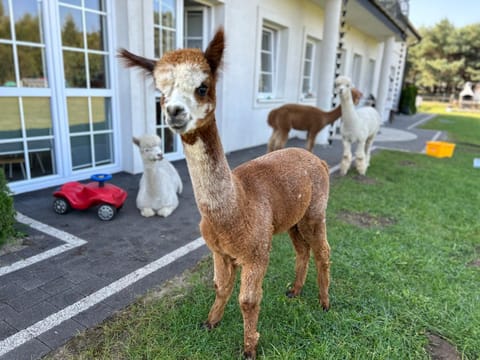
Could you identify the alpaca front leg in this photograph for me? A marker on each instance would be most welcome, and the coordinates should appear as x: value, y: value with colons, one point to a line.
x: 360, y: 158
x: 311, y: 140
x: 249, y: 299
x: 347, y: 157
x: 301, y: 262
x: 224, y: 280
x: 147, y: 212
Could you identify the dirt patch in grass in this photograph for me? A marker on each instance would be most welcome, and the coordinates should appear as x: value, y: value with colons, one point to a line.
x: 364, y: 219
x: 363, y: 179
x: 440, y: 349
x: 407, y: 163
x: 474, y: 263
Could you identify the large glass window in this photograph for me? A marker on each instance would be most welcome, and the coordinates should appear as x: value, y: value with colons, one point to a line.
x: 85, y: 60
x: 26, y: 128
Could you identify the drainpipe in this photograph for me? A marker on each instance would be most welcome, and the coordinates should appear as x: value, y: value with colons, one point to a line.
x: 383, y: 86
x: 326, y: 71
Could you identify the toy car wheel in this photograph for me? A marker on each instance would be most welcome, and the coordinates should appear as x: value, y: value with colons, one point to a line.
x: 61, y: 206
x: 106, y: 212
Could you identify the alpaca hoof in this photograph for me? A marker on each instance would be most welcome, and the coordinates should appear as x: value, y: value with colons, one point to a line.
x: 325, y: 308
x: 207, y: 326
x: 291, y: 294
x: 249, y: 355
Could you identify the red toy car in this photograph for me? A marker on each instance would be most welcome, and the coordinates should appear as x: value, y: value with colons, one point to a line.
x: 109, y: 198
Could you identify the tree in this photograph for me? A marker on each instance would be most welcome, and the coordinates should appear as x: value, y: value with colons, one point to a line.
x: 446, y: 57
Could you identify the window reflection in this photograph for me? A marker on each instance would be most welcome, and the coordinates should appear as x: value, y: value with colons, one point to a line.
x: 38, y: 119
x: 32, y: 72
x: 94, y: 4
x: 27, y: 21
x: 7, y: 70
x: 41, y: 158
x: 103, y: 149
x: 72, y: 34
x: 78, y: 114
x: 101, y: 113
x: 81, y: 151
x: 96, y: 64
x: 5, y: 32
x: 95, y: 30
x: 10, y: 124
x: 74, y: 64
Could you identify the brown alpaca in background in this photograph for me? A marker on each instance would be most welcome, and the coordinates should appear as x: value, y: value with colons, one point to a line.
x: 286, y: 190
x: 302, y: 117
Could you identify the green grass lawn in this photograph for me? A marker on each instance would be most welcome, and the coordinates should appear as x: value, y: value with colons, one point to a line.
x: 405, y: 263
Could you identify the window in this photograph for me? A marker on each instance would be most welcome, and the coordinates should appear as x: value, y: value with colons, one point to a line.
x: 266, y: 82
x: 164, y: 26
x: 194, y: 28
x: 165, y: 38
x: 308, y: 75
x: 357, y: 70
x: 87, y: 82
x: 370, y: 77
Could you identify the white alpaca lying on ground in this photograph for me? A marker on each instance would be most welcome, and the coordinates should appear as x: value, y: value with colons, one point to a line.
x: 358, y: 126
x: 160, y: 182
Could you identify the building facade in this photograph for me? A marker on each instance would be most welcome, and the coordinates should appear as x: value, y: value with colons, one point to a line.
x: 68, y: 109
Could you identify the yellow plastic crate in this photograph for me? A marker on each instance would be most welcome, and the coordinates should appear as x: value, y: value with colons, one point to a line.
x: 440, y: 149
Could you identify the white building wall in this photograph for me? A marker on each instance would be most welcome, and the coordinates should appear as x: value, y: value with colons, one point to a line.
x: 244, y: 121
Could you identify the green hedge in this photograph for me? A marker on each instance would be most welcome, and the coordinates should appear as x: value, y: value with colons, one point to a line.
x: 7, y: 211
x: 407, y: 100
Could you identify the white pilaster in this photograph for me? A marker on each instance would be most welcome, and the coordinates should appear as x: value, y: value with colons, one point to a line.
x: 384, y: 81
x: 326, y: 71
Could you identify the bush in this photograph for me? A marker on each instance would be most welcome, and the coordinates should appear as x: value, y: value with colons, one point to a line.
x: 407, y: 100
x: 7, y: 211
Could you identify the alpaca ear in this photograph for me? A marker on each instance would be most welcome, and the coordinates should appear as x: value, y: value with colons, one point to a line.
x: 136, y: 141
x: 214, y: 51
x: 132, y: 60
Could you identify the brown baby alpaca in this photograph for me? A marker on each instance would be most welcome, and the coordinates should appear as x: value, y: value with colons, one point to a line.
x: 301, y: 117
x: 286, y: 190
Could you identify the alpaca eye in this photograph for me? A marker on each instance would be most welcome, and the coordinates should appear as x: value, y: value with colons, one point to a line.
x: 202, y: 90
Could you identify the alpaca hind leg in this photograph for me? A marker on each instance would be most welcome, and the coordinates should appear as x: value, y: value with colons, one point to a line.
x: 249, y: 299
x: 271, y: 141
x: 360, y: 158
x: 368, y: 148
x: 316, y: 235
x: 224, y: 280
x: 301, y: 262
x: 347, y: 157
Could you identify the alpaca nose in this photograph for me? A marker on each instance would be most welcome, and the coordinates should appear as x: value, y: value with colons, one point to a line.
x: 174, y: 111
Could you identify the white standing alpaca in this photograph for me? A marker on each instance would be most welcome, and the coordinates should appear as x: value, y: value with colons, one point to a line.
x: 358, y: 126
x: 160, y: 182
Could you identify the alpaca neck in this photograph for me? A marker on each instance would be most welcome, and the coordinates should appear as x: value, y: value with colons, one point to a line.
x: 149, y: 174
x: 333, y: 115
x: 209, y: 170
x: 348, y: 111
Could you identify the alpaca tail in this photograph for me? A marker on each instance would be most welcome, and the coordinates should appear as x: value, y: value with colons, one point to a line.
x: 272, y: 115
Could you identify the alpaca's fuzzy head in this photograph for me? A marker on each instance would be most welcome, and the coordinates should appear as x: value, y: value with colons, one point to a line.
x: 150, y: 148
x: 343, y: 86
x: 186, y: 79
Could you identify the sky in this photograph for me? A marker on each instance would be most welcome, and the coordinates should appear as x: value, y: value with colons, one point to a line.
x: 458, y: 12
